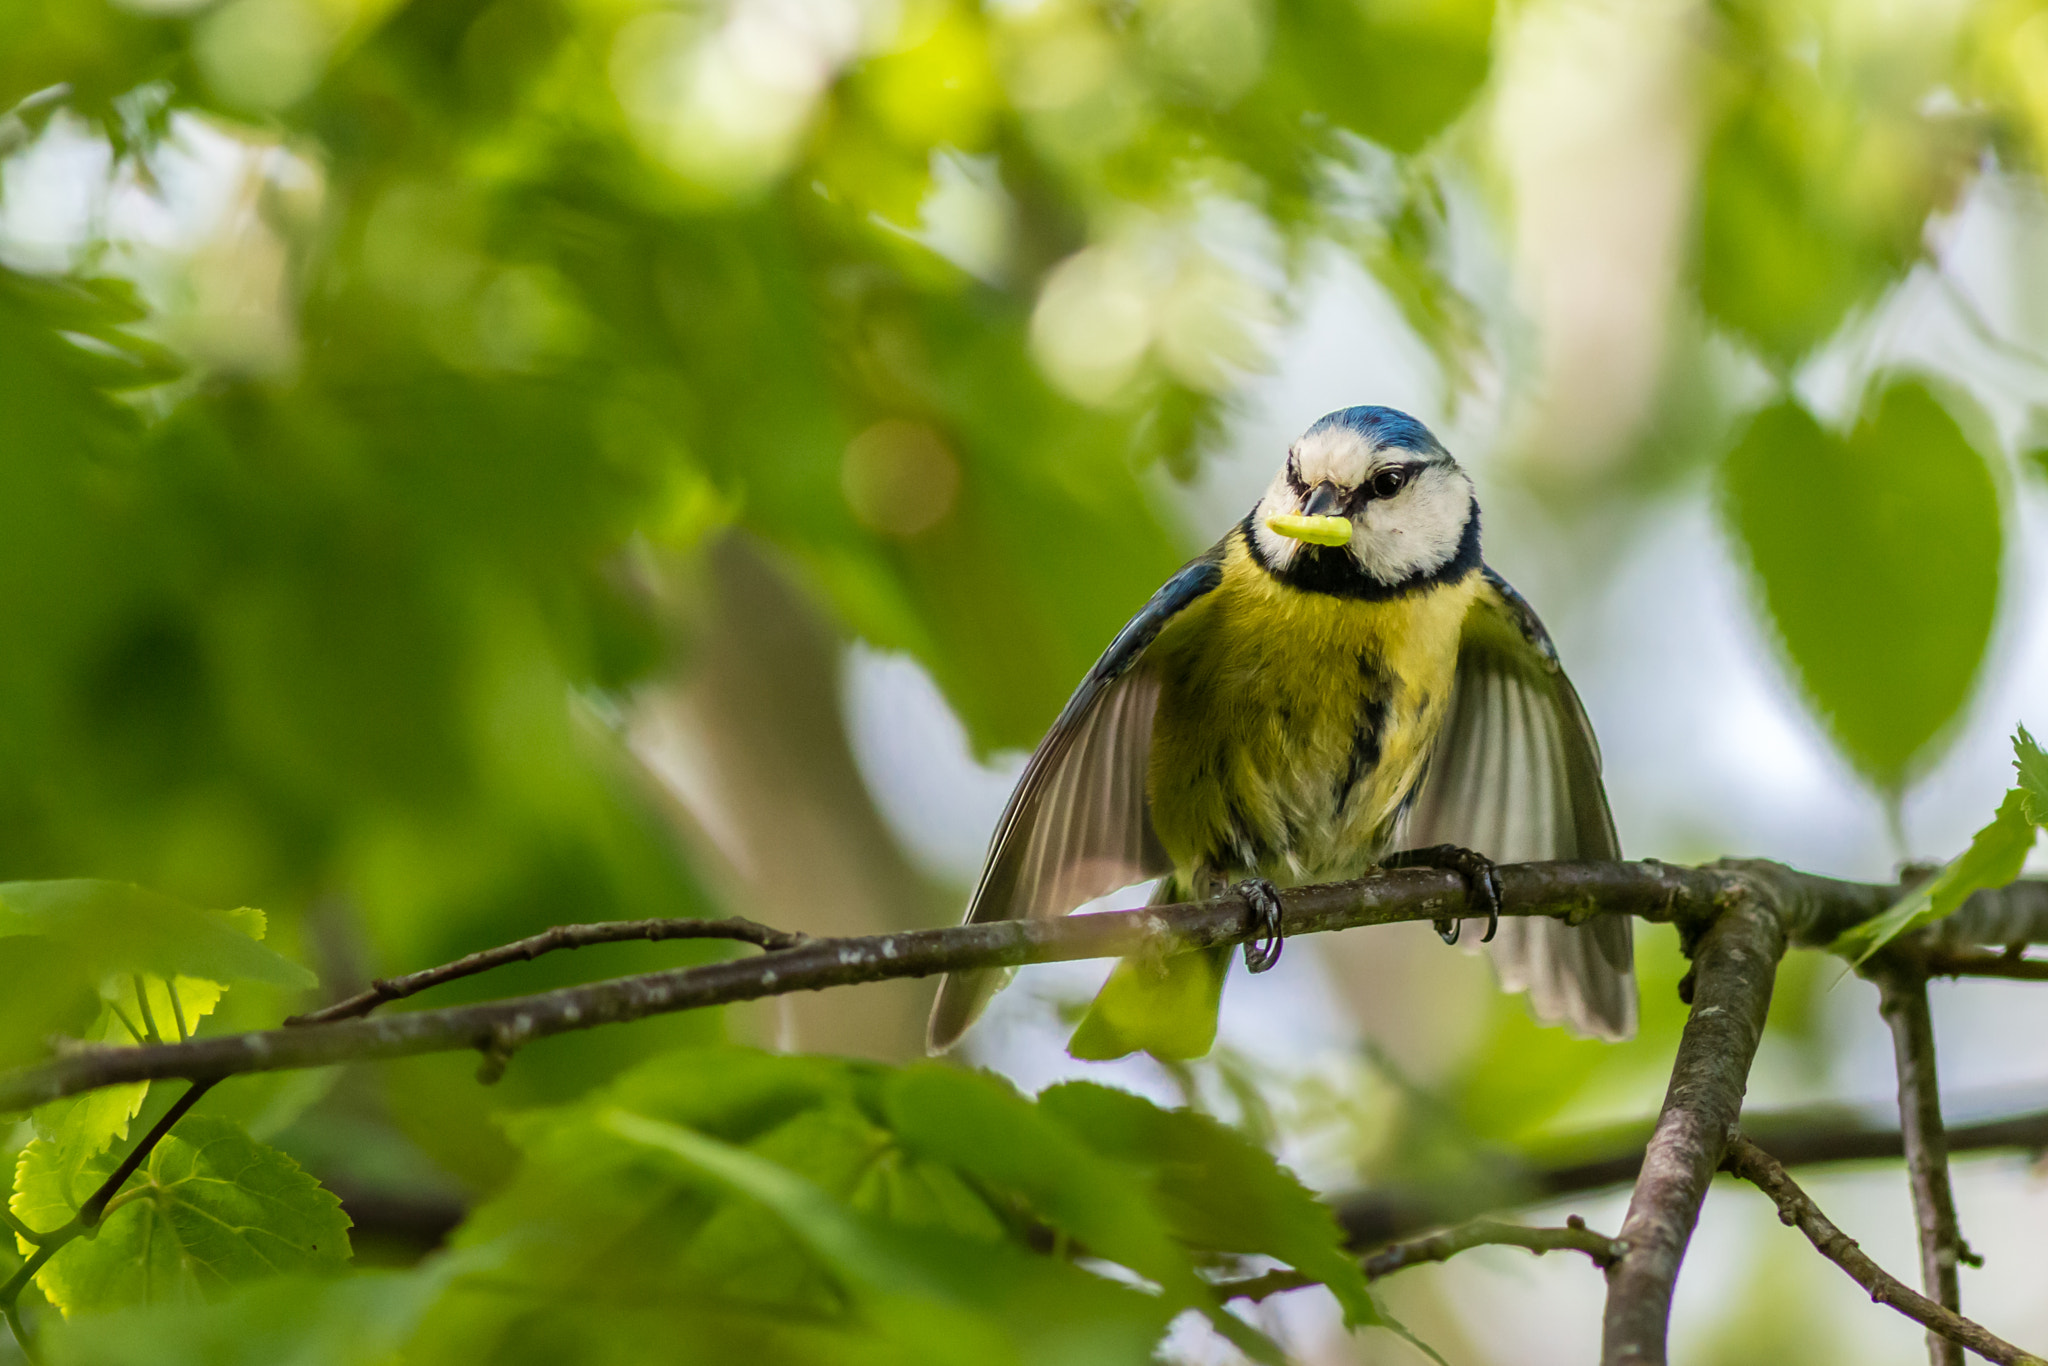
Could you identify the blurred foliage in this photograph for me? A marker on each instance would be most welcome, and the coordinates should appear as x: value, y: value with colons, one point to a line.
x: 1878, y: 555
x: 900, y: 1207
x: 364, y: 430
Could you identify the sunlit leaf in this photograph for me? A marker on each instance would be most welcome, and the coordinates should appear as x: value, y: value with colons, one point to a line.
x: 210, y: 1208
x: 2033, y: 775
x: 1995, y: 856
x: 1877, y: 558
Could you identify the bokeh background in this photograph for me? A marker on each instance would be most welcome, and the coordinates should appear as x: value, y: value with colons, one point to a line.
x: 473, y: 465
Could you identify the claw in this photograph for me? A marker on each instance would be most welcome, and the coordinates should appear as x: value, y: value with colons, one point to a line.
x: 1482, y: 883
x: 1262, y: 900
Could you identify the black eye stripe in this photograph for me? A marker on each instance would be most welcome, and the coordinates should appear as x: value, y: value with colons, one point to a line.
x: 1389, y: 481
x: 1294, y: 475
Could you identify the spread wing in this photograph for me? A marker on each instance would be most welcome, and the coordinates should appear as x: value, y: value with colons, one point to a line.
x: 1078, y: 825
x: 1515, y: 775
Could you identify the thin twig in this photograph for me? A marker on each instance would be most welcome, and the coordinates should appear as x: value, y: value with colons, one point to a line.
x: 1813, y: 910
x: 1981, y: 963
x: 1902, y: 1000
x: 1815, y: 1136
x: 1734, y: 968
x: 1796, y: 1208
x: 1441, y: 1247
x: 548, y: 941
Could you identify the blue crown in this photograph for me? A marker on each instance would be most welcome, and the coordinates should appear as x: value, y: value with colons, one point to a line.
x: 1385, y: 428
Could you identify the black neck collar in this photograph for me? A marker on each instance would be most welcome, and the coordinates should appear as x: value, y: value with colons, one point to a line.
x: 1335, y: 571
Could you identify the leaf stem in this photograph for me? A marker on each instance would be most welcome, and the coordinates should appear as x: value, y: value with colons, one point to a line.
x: 11, y: 1291
x: 177, y: 1009
x: 12, y: 1312
x: 126, y: 1023
x: 20, y: 1229
x: 142, y: 1007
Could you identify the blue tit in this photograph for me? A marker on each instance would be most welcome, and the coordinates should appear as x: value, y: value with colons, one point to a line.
x: 1340, y: 683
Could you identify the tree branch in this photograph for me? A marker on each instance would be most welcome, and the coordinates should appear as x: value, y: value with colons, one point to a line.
x: 1735, y: 966
x: 1441, y: 1247
x: 1795, y: 1207
x: 1805, y: 1137
x: 1814, y: 910
x: 1902, y: 1000
x: 548, y: 941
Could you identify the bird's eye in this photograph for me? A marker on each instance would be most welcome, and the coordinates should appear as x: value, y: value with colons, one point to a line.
x: 1387, y: 483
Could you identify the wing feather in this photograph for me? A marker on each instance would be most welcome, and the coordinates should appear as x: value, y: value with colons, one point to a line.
x: 1515, y: 775
x: 1078, y: 825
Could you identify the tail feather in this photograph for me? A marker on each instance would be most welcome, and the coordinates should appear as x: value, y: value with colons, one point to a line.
x: 962, y: 997
x: 1577, y: 975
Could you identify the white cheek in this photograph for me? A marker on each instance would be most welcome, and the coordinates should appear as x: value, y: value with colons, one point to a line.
x: 1415, y: 533
x: 1278, y: 550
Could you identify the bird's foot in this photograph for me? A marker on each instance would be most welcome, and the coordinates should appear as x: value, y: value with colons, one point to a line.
x: 1262, y: 900
x: 1482, y: 882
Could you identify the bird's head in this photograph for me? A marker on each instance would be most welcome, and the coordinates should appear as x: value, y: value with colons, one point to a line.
x: 1367, y: 491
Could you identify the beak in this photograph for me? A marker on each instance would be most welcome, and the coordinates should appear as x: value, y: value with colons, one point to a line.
x: 1323, y: 501
x: 1316, y: 525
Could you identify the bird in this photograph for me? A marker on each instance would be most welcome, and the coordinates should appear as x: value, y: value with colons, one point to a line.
x: 1341, y: 683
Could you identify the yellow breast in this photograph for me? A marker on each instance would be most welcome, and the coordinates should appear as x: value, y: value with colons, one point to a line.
x: 1291, y: 724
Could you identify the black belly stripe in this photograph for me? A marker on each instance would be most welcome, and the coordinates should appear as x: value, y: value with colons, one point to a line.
x: 1245, y: 849
x: 1365, y: 747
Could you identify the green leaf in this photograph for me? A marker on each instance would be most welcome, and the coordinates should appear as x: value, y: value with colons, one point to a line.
x: 45, y: 990
x: 682, y: 1253
x: 930, y: 1292
x: 1219, y: 1191
x: 981, y: 1126
x: 1994, y: 858
x: 120, y: 927
x: 1877, y: 558
x: 211, y: 1208
x: 752, y: 1259
x: 361, y: 1320
x: 1393, y: 73
x: 1812, y: 197
x: 2033, y: 770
